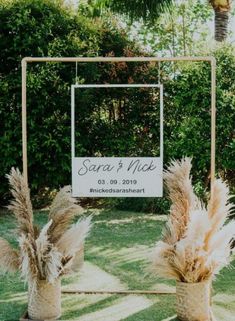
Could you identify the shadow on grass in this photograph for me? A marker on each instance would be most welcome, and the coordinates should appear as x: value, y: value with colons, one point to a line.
x: 75, y: 312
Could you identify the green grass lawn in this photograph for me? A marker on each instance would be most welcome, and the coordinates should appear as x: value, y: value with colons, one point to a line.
x: 116, y: 257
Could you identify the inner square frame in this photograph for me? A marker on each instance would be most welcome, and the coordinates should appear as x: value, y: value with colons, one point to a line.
x: 73, y: 107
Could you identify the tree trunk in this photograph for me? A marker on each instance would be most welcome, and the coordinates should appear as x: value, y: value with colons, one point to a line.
x: 221, y: 25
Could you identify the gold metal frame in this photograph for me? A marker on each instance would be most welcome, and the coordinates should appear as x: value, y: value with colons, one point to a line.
x: 210, y: 60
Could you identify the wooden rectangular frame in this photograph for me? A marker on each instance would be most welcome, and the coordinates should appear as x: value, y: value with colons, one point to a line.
x: 210, y: 60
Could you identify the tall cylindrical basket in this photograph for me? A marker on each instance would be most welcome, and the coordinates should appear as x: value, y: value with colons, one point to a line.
x: 44, y: 300
x: 193, y: 301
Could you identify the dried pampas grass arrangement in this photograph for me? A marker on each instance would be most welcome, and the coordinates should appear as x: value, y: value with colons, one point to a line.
x: 9, y: 258
x: 196, y: 242
x: 44, y: 256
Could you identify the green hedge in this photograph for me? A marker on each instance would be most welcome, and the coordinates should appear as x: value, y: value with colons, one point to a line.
x: 190, y: 94
x: 109, y: 123
x: 45, y: 28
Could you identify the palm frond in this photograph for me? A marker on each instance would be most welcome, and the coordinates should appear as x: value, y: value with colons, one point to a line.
x: 148, y: 10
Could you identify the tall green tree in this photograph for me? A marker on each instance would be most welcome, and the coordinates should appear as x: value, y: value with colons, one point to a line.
x: 181, y: 31
x: 46, y: 28
x: 150, y: 10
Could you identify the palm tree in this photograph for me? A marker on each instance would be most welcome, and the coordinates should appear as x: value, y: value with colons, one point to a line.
x: 150, y: 10
x: 222, y: 9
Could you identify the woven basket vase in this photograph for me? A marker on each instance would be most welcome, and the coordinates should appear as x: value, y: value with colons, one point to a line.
x: 193, y: 301
x: 44, y: 301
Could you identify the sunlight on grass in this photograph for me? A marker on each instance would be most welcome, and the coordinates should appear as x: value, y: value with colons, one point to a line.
x: 18, y: 297
x: 93, y: 277
x: 162, y: 287
x: 73, y: 303
x: 149, y: 217
x: 116, y: 257
x: 126, y: 254
x: 173, y: 318
x: 223, y: 314
x: 119, y: 310
x: 224, y: 299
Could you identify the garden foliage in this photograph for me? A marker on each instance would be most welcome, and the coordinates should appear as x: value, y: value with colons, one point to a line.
x: 108, y: 122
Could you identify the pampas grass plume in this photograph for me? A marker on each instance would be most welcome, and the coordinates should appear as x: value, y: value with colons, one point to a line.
x: 9, y: 257
x: 48, y: 253
x: 73, y: 239
x: 196, y: 243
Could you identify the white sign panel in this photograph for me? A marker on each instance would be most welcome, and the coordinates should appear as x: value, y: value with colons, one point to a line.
x: 117, y: 176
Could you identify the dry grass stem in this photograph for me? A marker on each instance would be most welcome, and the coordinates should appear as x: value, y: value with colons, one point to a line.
x: 48, y: 253
x: 62, y: 212
x: 29, y: 267
x: 178, y: 183
x: 73, y: 239
x: 21, y: 204
x: 9, y: 257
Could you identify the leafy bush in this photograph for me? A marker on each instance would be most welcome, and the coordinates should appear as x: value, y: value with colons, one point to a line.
x: 187, y: 123
x: 146, y: 205
x: 46, y: 28
x: 126, y: 124
x: 189, y: 114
